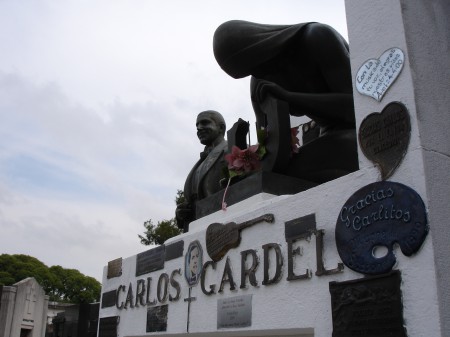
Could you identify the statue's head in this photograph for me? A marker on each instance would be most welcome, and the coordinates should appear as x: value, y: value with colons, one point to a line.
x: 241, y: 46
x: 210, y: 127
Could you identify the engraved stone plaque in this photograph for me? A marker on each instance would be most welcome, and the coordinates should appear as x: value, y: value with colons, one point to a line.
x: 114, y: 268
x: 234, y: 312
x: 174, y: 250
x: 303, y: 226
x: 375, y: 218
x: 150, y: 260
x: 384, y: 137
x: 368, y: 307
x: 109, y: 299
x: 375, y: 76
x: 108, y: 326
x: 157, y: 318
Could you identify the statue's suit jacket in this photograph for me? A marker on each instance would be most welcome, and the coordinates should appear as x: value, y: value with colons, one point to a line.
x: 209, y: 175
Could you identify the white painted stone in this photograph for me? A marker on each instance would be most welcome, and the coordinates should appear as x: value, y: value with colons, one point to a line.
x: 302, y: 307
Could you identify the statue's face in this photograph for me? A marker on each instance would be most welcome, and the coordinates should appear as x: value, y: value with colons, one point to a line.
x: 207, y: 129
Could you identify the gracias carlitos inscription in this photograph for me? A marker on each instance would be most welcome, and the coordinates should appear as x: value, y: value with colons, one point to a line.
x: 380, y: 215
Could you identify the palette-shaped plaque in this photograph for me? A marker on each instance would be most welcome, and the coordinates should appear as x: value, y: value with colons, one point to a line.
x: 384, y: 137
x: 375, y: 218
x: 368, y: 307
x: 375, y: 76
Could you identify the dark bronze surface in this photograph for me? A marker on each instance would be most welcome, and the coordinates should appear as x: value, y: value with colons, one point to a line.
x: 384, y: 137
x: 220, y: 238
x: 301, y: 227
x: 157, y: 318
x: 368, y: 307
x: 379, y: 215
x: 150, y: 260
x: 174, y: 250
x: 259, y: 182
x: 108, y: 326
x: 114, y: 268
x: 109, y: 299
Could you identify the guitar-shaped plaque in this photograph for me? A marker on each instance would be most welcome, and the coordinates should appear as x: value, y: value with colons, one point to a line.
x: 220, y: 238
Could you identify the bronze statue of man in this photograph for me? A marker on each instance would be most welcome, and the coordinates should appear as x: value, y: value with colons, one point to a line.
x: 306, y: 65
x: 204, y: 178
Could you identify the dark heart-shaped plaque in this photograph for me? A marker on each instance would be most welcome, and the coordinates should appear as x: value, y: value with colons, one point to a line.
x: 384, y: 137
x: 379, y: 215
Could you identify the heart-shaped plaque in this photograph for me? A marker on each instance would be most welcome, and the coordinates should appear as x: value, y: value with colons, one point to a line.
x: 376, y: 75
x: 384, y: 137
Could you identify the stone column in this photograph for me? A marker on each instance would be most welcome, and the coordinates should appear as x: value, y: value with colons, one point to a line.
x: 8, y: 300
x: 422, y: 30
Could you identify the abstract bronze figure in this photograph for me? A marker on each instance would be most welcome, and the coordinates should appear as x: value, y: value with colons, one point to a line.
x: 307, y: 66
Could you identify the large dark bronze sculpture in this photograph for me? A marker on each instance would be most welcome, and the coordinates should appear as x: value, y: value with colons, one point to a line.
x: 204, y: 178
x: 306, y: 66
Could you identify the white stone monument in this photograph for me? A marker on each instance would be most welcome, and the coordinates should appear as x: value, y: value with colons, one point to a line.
x: 363, y: 255
x: 23, y: 309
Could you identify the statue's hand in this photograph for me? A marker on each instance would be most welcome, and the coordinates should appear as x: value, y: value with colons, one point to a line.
x: 184, y: 212
x: 264, y: 88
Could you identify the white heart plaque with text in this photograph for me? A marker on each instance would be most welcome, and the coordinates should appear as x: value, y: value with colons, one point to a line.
x: 375, y: 76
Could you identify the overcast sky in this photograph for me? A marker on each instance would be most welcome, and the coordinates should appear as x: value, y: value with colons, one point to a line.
x: 98, y: 100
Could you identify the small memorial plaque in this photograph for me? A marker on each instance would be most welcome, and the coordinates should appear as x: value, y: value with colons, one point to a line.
x: 375, y: 76
x: 174, y: 250
x: 234, y: 312
x: 150, y: 260
x: 157, y: 318
x: 375, y: 218
x: 108, y: 326
x: 114, y: 268
x: 303, y: 226
x: 368, y: 307
x: 109, y: 299
x: 384, y: 137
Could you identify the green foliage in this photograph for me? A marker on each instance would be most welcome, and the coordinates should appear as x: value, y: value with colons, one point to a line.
x: 158, y: 234
x: 62, y: 285
x: 164, y: 229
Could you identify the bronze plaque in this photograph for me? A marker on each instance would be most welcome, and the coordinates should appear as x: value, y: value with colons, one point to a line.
x: 114, y: 268
x: 108, y: 326
x: 384, y: 137
x: 109, y: 299
x: 157, y: 318
x: 368, y: 307
x: 381, y: 214
x: 304, y: 226
x: 150, y: 260
x: 174, y: 250
x: 220, y: 238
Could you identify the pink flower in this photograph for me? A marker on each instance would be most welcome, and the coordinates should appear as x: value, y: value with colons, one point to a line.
x: 243, y: 161
x: 295, y: 143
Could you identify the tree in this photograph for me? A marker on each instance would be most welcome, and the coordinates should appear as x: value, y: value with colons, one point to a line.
x: 164, y: 229
x: 62, y: 285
